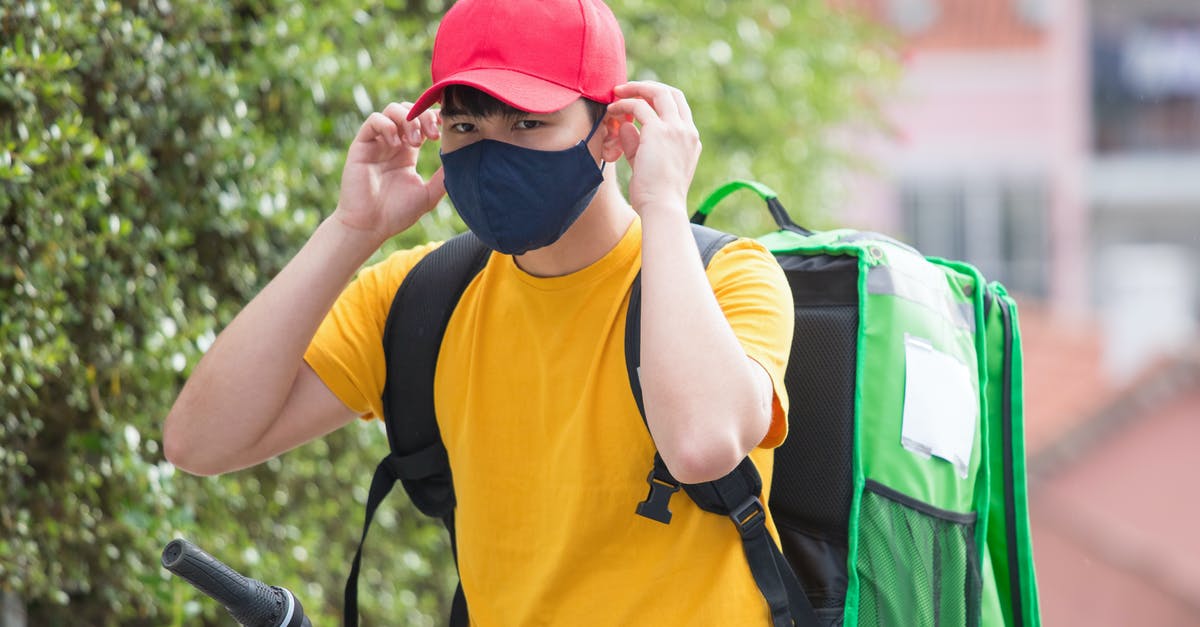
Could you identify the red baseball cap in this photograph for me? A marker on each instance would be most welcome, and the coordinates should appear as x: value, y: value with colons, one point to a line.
x: 536, y: 55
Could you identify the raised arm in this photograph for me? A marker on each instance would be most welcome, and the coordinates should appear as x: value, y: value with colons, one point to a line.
x: 252, y: 396
x: 707, y: 403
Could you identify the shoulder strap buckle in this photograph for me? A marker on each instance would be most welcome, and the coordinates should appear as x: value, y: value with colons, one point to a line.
x: 750, y: 517
x: 662, y: 487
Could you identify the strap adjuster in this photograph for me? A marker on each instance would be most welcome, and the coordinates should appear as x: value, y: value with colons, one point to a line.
x: 430, y: 461
x: 750, y: 517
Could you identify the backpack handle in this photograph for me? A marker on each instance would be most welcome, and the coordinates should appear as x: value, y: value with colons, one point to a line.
x: 766, y: 193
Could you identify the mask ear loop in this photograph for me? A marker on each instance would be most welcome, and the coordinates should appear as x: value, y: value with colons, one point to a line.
x: 596, y: 127
x: 596, y: 124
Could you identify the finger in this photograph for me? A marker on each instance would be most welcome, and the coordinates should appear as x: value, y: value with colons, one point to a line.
x: 410, y: 132
x: 681, y: 104
x: 657, y: 94
x: 436, y: 187
x: 379, y: 125
x: 639, y: 109
x: 430, y: 125
x: 400, y: 109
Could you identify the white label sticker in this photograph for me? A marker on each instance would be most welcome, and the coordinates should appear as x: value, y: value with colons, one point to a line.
x: 941, y: 405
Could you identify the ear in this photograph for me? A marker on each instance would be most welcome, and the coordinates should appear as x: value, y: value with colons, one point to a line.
x: 610, y: 150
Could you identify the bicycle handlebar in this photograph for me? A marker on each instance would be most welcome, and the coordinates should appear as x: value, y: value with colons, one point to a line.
x: 251, y: 602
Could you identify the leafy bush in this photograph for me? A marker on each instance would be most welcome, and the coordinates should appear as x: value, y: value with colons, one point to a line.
x: 160, y: 161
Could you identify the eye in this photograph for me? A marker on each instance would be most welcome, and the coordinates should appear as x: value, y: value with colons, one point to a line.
x: 462, y: 127
x: 526, y: 125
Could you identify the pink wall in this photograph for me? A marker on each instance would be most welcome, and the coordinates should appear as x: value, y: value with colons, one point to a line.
x: 977, y: 113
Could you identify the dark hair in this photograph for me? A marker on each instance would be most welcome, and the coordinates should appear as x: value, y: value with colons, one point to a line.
x: 466, y: 99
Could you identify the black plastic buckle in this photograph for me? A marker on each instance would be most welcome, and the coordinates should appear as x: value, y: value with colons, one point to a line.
x: 750, y: 517
x: 655, y: 507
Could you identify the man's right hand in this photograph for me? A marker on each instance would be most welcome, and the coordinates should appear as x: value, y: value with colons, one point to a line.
x: 252, y: 396
x: 382, y: 194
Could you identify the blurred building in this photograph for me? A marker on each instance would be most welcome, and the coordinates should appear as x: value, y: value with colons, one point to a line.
x: 989, y: 141
x: 1055, y: 144
x: 1112, y: 469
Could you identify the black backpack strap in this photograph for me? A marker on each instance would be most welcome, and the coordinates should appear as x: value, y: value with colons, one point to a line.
x: 381, y: 485
x: 458, y: 604
x: 662, y: 485
x: 412, y: 339
x: 735, y: 495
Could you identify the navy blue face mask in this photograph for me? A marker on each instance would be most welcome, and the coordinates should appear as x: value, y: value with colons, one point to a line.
x: 517, y: 199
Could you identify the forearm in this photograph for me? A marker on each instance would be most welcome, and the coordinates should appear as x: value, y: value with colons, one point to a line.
x: 707, y: 404
x: 242, y: 382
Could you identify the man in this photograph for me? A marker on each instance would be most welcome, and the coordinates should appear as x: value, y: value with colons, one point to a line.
x: 548, y: 451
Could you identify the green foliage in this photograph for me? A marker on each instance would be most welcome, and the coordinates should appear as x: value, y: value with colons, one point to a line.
x: 767, y: 81
x: 160, y: 161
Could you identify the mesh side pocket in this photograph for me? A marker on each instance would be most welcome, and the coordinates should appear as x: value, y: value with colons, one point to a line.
x: 917, y: 564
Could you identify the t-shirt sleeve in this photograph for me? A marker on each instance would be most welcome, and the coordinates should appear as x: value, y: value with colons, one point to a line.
x: 753, y: 292
x: 347, y: 350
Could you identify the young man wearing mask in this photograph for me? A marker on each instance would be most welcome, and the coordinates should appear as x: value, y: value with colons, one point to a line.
x: 548, y: 451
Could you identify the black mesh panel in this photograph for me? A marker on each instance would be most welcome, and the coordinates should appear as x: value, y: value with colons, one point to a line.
x: 813, y: 477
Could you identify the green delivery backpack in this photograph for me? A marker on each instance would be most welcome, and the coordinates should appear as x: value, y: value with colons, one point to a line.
x: 900, y: 492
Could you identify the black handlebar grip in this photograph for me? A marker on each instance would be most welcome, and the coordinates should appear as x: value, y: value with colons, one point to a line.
x: 251, y: 602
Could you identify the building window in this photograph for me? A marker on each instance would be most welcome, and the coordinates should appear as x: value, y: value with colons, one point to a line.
x: 999, y: 225
x: 1146, y: 86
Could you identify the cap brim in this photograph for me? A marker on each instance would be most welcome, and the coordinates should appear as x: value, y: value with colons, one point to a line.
x: 525, y: 92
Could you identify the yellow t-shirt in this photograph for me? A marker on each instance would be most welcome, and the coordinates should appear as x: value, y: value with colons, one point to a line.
x: 548, y: 451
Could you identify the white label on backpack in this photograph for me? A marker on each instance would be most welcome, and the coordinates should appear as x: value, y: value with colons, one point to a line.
x: 941, y: 406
